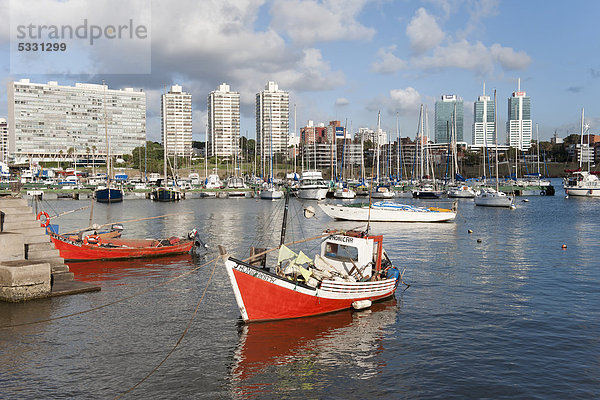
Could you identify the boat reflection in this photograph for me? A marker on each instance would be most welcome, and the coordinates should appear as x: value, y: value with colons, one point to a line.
x: 98, y: 271
x: 308, y: 346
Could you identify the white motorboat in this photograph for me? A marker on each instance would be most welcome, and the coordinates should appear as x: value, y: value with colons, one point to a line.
x: 582, y: 183
x: 461, y: 192
x: 389, y: 212
x: 312, y: 186
x: 344, y: 193
x: 489, y: 197
x: 382, y: 192
x: 271, y: 193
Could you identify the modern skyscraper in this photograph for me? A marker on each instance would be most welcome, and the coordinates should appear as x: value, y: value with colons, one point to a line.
x: 46, y: 120
x: 176, y: 116
x: 519, y: 125
x: 223, y: 122
x: 444, y: 109
x: 3, y: 140
x: 484, y: 129
x: 272, y: 119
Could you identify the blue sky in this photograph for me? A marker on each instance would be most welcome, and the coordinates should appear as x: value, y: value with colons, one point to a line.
x: 343, y: 59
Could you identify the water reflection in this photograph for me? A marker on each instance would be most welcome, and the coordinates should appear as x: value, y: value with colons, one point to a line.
x: 100, y: 271
x: 305, y: 352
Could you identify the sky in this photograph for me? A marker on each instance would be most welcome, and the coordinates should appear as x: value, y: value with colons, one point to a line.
x: 342, y: 60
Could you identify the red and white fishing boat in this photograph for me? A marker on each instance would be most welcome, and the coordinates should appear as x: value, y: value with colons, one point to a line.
x: 351, y: 271
x: 95, y: 248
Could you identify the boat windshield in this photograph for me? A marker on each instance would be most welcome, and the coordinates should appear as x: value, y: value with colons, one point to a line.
x: 341, y: 252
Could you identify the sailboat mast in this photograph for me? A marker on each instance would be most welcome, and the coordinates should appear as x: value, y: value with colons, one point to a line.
x: 397, y: 149
x: 581, y: 140
x: 107, y: 145
x: 206, y: 151
x: 284, y: 222
x: 271, y: 142
x: 495, y: 130
x: 377, y: 139
x: 420, y: 134
x: 362, y: 158
x: 295, y: 132
x: 537, y: 134
x: 165, y: 139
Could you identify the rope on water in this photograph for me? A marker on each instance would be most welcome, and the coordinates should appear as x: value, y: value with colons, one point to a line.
x: 149, y: 374
x: 114, y: 301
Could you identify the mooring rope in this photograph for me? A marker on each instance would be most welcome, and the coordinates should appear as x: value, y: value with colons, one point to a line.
x: 114, y: 301
x: 185, y: 331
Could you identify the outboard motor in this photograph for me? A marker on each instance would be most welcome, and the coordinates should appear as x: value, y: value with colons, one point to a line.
x: 199, y: 248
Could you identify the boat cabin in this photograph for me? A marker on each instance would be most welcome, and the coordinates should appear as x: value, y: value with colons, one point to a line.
x: 353, y: 253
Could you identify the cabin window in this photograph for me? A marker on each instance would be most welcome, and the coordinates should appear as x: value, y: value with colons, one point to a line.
x: 341, y: 252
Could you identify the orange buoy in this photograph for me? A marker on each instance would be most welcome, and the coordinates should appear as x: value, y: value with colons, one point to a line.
x: 46, y: 222
x: 564, y: 246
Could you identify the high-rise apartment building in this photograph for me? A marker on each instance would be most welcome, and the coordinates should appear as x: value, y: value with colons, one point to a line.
x: 368, y: 134
x: 444, y: 109
x: 484, y: 127
x: 519, y: 125
x: 46, y: 120
x: 272, y: 120
x: 223, y: 122
x: 176, y: 116
x: 3, y: 140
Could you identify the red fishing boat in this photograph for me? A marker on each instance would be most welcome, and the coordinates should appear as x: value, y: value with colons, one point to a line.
x: 94, y: 248
x: 351, y: 271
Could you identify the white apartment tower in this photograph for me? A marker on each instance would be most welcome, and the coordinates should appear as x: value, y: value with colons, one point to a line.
x: 176, y: 116
x: 484, y: 127
x: 272, y: 120
x: 519, y: 125
x: 3, y: 140
x: 45, y: 120
x: 223, y: 122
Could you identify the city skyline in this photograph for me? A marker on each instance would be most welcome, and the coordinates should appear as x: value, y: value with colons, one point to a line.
x: 366, y: 56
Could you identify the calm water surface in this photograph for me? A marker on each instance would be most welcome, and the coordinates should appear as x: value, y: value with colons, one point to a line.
x: 511, y: 316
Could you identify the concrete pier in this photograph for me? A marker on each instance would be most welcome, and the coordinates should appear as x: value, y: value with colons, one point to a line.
x: 29, y: 263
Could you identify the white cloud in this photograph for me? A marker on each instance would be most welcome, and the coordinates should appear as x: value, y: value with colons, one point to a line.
x: 475, y: 57
x: 403, y: 101
x: 310, y: 21
x: 423, y: 32
x: 341, y: 101
x: 478, y: 10
x: 461, y: 54
x: 388, y: 63
x: 509, y: 58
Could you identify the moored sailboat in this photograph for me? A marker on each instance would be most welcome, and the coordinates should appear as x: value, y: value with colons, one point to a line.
x: 490, y: 197
x: 388, y: 212
x: 582, y: 183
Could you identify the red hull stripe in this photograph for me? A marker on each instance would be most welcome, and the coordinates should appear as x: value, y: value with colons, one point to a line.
x: 276, y: 298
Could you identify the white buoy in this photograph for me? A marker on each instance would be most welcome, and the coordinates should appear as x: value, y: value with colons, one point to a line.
x: 361, y: 304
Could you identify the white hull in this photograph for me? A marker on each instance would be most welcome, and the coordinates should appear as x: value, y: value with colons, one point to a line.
x: 461, y: 193
x: 397, y: 213
x: 583, y: 192
x: 312, y: 193
x: 344, y: 194
x: 491, y: 198
x: 383, y: 195
x: 582, y: 184
x: 271, y: 194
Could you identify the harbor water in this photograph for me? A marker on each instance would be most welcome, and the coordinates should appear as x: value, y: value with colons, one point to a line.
x: 502, y: 312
